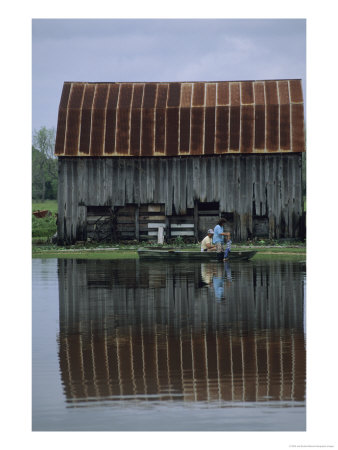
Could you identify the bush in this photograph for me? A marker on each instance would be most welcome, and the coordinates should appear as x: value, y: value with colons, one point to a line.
x: 179, y: 242
x: 43, y: 227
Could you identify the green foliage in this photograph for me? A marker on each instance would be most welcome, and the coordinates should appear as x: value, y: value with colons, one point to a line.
x: 173, y: 242
x: 278, y: 243
x: 44, y: 165
x: 179, y: 242
x: 43, y: 227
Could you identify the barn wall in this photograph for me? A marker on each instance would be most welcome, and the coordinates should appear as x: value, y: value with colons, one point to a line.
x: 261, y: 192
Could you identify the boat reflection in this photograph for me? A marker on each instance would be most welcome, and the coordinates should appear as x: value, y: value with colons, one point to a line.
x: 131, y: 330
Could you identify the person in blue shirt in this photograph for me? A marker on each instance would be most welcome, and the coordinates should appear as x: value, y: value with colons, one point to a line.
x: 227, y: 247
x: 218, y: 238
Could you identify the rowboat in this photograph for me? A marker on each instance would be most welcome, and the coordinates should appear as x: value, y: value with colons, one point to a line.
x: 174, y: 254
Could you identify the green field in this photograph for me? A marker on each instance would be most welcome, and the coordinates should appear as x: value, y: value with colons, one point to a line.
x: 45, y: 227
x: 51, y: 205
x: 85, y: 254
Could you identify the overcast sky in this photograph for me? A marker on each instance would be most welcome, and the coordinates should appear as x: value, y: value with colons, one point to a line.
x: 159, y: 50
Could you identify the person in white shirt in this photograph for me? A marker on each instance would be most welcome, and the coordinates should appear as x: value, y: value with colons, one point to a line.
x: 206, y: 244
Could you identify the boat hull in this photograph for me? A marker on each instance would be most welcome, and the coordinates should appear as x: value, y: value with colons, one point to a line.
x: 175, y: 254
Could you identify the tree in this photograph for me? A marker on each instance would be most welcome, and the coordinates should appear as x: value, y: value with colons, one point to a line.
x: 44, y: 164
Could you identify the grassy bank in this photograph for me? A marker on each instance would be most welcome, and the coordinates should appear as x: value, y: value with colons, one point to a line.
x: 84, y: 253
x: 44, y: 228
x: 119, y: 251
x: 50, y: 205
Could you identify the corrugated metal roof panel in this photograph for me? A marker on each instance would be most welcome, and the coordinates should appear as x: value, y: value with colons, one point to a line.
x: 223, y: 93
x: 247, y: 93
x: 235, y: 96
x: 149, y: 96
x: 198, y: 94
x: 222, y: 128
x: 169, y: 119
x: 283, y: 91
x: 211, y: 94
x: 174, y: 95
x: 296, y: 91
x: 271, y: 93
x: 138, y: 95
x: 186, y: 95
x: 162, y: 93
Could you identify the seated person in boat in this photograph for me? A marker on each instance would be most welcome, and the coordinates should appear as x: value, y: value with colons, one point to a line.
x: 206, y: 244
x: 227, y: 246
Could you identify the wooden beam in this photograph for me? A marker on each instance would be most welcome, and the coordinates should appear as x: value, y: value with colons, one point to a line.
x: 137, y: 223
x: 167, y: 228
x: 196, y: 220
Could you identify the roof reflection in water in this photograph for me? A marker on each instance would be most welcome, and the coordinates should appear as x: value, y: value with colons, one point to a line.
x: 131, y: 330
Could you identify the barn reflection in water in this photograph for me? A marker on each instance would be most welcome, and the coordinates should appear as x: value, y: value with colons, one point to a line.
x: 190, y: 332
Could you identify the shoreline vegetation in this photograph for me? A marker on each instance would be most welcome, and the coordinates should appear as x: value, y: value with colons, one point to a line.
x: 43, y: 229
x: 123, y: 251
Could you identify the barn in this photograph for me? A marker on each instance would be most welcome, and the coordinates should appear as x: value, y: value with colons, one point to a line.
x: 133, y: 157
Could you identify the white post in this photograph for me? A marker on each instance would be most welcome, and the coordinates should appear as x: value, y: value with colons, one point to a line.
x: 160, y: 235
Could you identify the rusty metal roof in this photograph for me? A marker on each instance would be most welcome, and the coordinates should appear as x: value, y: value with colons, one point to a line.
x: 188, y: 118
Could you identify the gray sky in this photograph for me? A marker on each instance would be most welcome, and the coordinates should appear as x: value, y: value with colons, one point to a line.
x: 159, y: 50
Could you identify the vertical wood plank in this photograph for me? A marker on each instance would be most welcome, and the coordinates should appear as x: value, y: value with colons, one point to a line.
x: 196, y: 177
x: 82, y: 223
x: 169, y: 196
x: 249, y: 200
x: 129, y: 170
x: 74, y: 210
x: 196, y: 220
x: 203, y: 176
x: 183, y: 185
x: 122, y: 183
x: 290, y: 198
x: 156, y: 174
x: 189, y: 181
x: 208, y: 180
x: 143, y: 182
x: 176, y: 185
x: 137, y: 223
x: 61, y: 201
x: 68, y: 204
x: 167, y: 228
x: 136, y: 183
x: 213, y: 181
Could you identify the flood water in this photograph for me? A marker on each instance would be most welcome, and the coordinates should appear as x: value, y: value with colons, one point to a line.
x: 125, y: 345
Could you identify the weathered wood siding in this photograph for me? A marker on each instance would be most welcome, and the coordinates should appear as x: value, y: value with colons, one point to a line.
x: 254, y: 189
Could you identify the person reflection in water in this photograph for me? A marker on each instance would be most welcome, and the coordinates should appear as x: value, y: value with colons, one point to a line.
x: 217, y: 277
x: 221, y: 277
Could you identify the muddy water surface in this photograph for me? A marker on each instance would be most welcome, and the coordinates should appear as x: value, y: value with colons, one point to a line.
x: 127, y: 345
